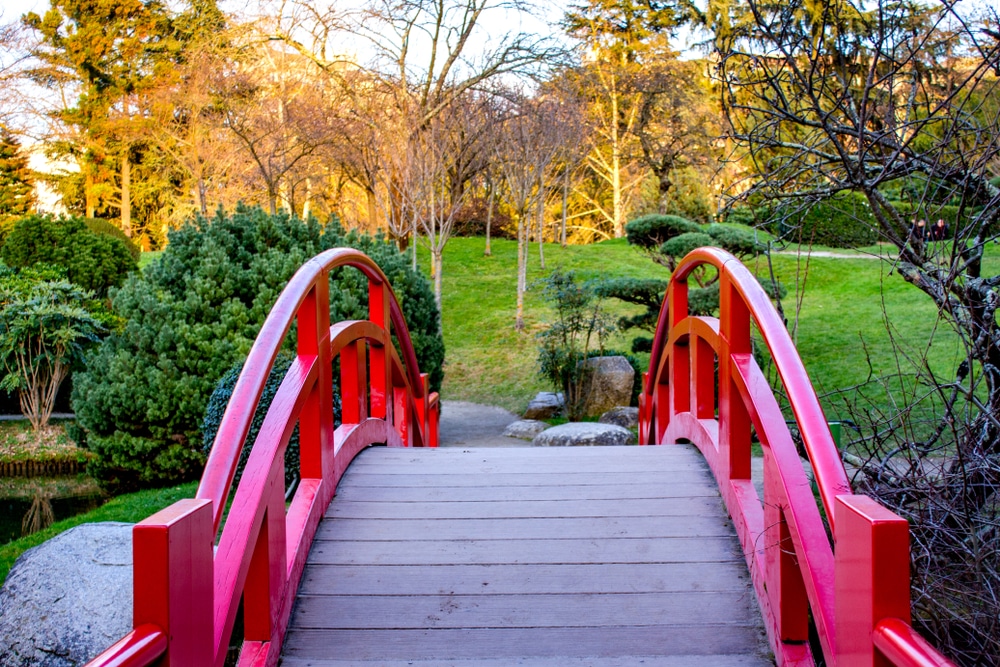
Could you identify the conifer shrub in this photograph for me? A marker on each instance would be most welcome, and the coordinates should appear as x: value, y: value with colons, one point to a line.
x: 194, y: 313
x: 843, y: 221
x: 651, y: 231
x: 101, y: 226
x: 95, y: 262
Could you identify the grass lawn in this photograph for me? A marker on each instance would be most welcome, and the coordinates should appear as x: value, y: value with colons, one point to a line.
x: 486, y: 360
x: 841, y: 326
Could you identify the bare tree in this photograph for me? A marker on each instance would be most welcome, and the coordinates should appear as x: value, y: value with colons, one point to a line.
x: 899, y: 102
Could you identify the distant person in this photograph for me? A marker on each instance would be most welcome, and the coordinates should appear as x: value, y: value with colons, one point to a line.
x: 918, y: 233
x: 939, y: 232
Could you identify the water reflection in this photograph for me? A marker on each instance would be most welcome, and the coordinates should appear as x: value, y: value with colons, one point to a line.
x: 29, y: 504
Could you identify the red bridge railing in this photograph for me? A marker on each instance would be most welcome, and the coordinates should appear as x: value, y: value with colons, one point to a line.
x: 856, y: 590
x: 187, y: 591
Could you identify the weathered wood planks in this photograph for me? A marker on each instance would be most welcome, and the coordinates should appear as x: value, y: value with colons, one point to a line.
x: 580, y: 556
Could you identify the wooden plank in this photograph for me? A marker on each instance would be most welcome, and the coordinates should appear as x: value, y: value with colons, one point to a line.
x: 568, y: 610
x: 607, y: 454
x: 595, y: 528
x: 466, y: 643
x: 634, y: 492
x: 460, y: 509
x: 523, y: 479
x: 534, y: 661
x: 513, y: 579
x: 532, y: 556
x: 443, y: 552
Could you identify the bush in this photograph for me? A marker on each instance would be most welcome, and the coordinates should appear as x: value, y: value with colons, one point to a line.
x: 100, y: 226
x: 679, y: 246
x: 566, y: 342
x: 95, y: 262
x: 219, y: 401
x: 194, y: 313
x: 844, y: 221
x: 44, y: 329
x: 651, y: 231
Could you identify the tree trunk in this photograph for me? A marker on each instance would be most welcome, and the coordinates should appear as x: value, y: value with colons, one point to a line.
x: 565, y: 199
x: 126, y: 209
x: 202, y: 191
x: 664, y: 183
x: 306, y: 204
x: 372, y: 209
x: 413, y: 240
x: 541, y: 227
x: 436, y: 260
x: 616, y: 171
x: 522, y: 257
x: 88, y: 192
x: 489, y: 219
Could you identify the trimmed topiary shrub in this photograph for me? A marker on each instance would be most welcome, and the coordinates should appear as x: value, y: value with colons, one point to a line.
x: 95, y: 262
x: 99, y: 226
x: 844, y: 221
x: 194, y: 313
x: 651, y: 231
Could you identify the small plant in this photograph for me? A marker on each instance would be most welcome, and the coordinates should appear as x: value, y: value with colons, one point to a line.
x: 580, y: 325
x: 44, y: 329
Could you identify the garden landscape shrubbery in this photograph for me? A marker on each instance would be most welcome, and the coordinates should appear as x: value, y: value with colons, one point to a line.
x: 194, y: 313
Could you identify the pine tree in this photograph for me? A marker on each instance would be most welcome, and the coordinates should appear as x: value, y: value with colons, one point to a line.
x: 17, y: 192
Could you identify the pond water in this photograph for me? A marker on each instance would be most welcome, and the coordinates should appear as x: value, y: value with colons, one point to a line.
x: 32, y: 503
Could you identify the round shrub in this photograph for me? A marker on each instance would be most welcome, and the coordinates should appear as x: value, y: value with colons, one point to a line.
x: 194, y: 313
x: 844, y: 221
x: 93, y: 261
x: 736, y: 240
x: 651, y: 231
x: 100, y: 226
x: 219, y: 401
x: 681, y: 245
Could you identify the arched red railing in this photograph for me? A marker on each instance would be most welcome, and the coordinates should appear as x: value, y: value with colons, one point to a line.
x: 186, y: 590
x: 856, y: 593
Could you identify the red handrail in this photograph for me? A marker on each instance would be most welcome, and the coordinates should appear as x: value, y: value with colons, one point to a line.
x: 858, y: 596
x: 186, y: 590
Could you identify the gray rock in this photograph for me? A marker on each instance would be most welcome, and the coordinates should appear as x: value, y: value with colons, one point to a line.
x: 584, y: 434
x: 525, y: 429
x: 546, y: 404
x: 606, y: 383
x: 69, y: 598
x: 621, y: 416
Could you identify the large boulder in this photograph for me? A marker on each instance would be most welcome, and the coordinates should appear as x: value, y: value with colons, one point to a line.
x: 524, y: 429
x: 584, y: 434
x: 623, y: 416
x: 69, y: 598
x: 606, y: 383
x: 544, y: 405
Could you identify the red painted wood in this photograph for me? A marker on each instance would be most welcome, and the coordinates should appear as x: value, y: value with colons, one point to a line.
x: 192, y: 595
x: 172, y: 579
x: 901, y: 645
x: 142, y: 646
x: 784, y: 539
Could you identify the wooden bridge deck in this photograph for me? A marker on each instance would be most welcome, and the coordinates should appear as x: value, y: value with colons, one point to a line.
x: 526, y: 556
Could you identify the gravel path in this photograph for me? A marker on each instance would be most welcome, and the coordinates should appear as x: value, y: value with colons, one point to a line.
x: 465, y: 424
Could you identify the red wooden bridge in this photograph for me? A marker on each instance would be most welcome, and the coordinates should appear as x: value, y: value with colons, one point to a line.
x: 530, y: 556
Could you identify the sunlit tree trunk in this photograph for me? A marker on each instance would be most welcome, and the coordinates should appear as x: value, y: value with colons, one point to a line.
x: 126, y: 210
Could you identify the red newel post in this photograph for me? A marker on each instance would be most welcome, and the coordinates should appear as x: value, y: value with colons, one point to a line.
x: 316, y: 419
x: 734, y: 420
x: 173, y: 580
x: 872, y: 576
x: 378, y: 312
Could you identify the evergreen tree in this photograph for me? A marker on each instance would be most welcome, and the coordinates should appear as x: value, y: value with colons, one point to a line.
x: 17, y: 193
